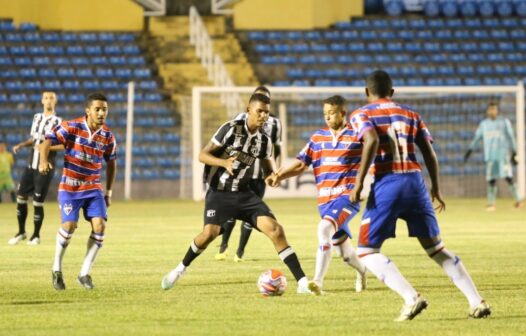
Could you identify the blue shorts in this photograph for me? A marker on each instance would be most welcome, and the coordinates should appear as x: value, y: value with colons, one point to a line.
x: 339, y: 212
x: 395, y: 196
x: 92, y: 207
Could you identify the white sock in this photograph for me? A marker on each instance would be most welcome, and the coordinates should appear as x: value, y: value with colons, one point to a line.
x: 388, y: 273
x: 176, y: 271
x: 62, y: 242
x: 349, y: 256
x: 456, y: 271
x: 323, y: 254
x: 95, y: 241
x: 303, y: 282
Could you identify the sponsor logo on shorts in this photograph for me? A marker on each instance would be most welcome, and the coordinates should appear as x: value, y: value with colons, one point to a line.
x: 210, y: 213
x: 67, y: 208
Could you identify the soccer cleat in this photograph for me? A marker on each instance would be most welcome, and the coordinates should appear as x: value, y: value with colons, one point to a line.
x: 491, y: 208
x: 85, y: 281
x: 58, y: 281
x: 238, y: 259
x: 17, y: 239
x: 311, y: 288
x: 519, y: 205
x: 34, y: 241
x: 482, y: 310
x: 409, y: 311
x: 222, y: 256
x: 170, y: 279
x: 361, y: 281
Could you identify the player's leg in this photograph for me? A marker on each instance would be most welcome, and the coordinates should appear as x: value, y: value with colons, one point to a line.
x: 258, y: 186
x: 326, y: 229
x: 491, y: 179
x: 42, y: 183
x: 25, y: 188
x: 350, y: 257
x: 454, y: 268
x: 514, y: 193
x: 228, y: 227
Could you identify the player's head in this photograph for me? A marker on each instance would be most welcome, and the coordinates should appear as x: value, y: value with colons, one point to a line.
x: 262, y: 90
x: 334, y: 111
x: 379, y: 85
x: 493, y: 110
x: 258, y: 110
x: 96, y: 109
x: 49, y: 100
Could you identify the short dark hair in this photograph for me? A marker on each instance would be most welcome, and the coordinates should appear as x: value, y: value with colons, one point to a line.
x: 262, y: 88
x: 380, y: 84
x: 493, y: 103
x: 95, y: 96
x: 336, y: 100
x: 260, y: 98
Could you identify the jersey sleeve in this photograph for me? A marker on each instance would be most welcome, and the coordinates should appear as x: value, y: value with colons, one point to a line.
x: 33, y: 127
x: 510, y: 136
x: 305, y: 155
x: 220, y: 136
x: 111, y: 150
x: 423, y: 131
x: 478, y: 136
x: 360, y: 123
x: 59, y: 134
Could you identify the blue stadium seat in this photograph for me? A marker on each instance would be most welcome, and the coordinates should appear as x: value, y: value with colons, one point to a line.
x: 415, y: 81
x: 84, y: 73
x: 332, y: 35
x: 17, y: 50
x: 350, y: 35
x: 112, y: 50
x: 312, y: 35
x: 34, y: 85
x: 93, y: 50
x: 344, y: 59
x: 80, y: 61
x: 27, y: 26
x: 453, y: 81
x: 136, y: 60
x: 263, y: 48
x: 104, y: 72
x: 55, y: 50
x: 74, y: 50
x: 431, y: 8
x: 256, y: 36
x: 472, y: 81
x: 468, y: 8
x: 90, y: 85
x: 357, y: 47
x: 52, y: 85
x: 319, y: 47
x: 394, y: 7
x: 282, y: 48
x: 449, y: 8
x: 109, y: 84
x: 88, y: 37
x: 343, y: 25
x: 13, y: 37
x: 23, y: 61
x: 106, y: 37
x: 445, y: 34
x: 66, y: 72
x: 27, y: 73
x: 294, y: 35
x: 6, y: 26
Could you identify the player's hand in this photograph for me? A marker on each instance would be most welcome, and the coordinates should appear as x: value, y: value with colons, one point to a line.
x: 467, y: 155
x: 355, y: 195
x: 44, y: 167
x: 228, y: 164
x: 107, y: 200
x: 435, y: 195
x: 273, y: 179
x: 16, y: 148
x: 514, y: 159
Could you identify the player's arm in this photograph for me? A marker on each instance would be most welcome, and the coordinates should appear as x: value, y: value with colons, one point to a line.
x: 370, y: 147
x: 277, y: 154
x: 207, y: 157
x: 510, y: 136
x: 431, y: 162
x: 474, y: 142
x: 44, y: 166
x: 111, y: 173
x: 295, y: 169
x: 22, y: 144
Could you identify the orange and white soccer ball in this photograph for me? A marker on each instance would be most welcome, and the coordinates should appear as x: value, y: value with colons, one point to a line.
x: 272, y: 283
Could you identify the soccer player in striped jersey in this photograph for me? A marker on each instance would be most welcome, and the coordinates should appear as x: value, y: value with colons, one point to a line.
x: 273, y: 129
x: 32, y: 183
x: 390, y: 133
x: 88, y: 142
x: 334, y: 153
x: 500, y: 153
x: 229, y: 160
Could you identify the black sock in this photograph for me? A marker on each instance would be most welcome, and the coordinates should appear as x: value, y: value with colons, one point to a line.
x: 192, y: 253
x: 227, y: 231
x: 246, y: 230
x: 38, y: 219
x: 21, y: 214
x: 290, y: 258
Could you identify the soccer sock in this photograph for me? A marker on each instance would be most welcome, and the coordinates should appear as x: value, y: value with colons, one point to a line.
x: 38, y: 218
x: 492, y: 194
x: 290, y: 259
x: 350, y: 257
x: 456, y: 271
x: 95, y: 242
x: 323, y: 254
x: 227, y: 231
x: 63, y: 238
x: 246, y: 230
x: 388, y: 273
x: 192, y: 253
x: 21, y: 214
x: 513, y: 191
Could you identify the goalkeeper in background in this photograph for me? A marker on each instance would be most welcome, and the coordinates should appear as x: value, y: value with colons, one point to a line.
x: 500, y: 151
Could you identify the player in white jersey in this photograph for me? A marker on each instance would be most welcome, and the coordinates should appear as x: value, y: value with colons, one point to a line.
x: 32, y: 183
x: 500, y: 153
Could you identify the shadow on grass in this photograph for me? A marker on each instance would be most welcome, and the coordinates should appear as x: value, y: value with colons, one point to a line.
x: 41, y: 302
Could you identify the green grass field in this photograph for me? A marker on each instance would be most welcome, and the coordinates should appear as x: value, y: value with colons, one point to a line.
x: 144, y: 240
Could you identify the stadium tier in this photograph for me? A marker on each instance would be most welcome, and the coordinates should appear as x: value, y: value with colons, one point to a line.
x: 74, y: 64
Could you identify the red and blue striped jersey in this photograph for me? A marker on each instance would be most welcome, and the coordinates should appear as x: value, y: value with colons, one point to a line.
x: 398, y: 127
x: 83, y: 155
x: 335, y: 159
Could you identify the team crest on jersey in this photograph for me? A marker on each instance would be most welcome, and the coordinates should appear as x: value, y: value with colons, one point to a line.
x: 255, y: 150
x: 210, y: 213
x: 67, y: 208
x: 100, y: 146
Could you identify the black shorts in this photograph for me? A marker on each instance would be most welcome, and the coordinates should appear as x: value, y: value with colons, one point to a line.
x: 258, y: 187
x: 221, y: 206
x: 32, y: 183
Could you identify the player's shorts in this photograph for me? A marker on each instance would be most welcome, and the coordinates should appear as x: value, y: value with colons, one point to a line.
x: 92, y: 207
x: 498, y: 170
x: 35, y: 184
x: 6, y: 184
x: 339, y: 212
x: 258, y: 186
x: 395, y: 196
x: 244, y: 205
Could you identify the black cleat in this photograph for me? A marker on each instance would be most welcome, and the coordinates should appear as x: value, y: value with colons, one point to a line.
x: 58, y: 281
x: 85, y: 281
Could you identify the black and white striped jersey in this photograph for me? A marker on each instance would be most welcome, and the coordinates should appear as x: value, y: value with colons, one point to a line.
x: 234, y: 139
x: 272, y: 128
x: 41, y: 125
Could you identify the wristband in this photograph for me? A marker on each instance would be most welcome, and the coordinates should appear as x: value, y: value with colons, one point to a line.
x: 108, y: 192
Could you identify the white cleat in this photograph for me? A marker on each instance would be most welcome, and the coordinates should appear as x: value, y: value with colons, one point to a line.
x: 171, y: 278
x: 482, y: 310
x: 17, y: 239
x: 361, y: 281
x: 410, y: 311
x: 34, y: 241
x: 312, y: 288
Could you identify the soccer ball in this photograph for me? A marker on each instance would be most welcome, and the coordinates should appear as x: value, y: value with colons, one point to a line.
x: 272, y: 283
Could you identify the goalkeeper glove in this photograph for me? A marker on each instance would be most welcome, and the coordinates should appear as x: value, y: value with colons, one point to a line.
x: 467, y: 155
x: 514, y: 160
